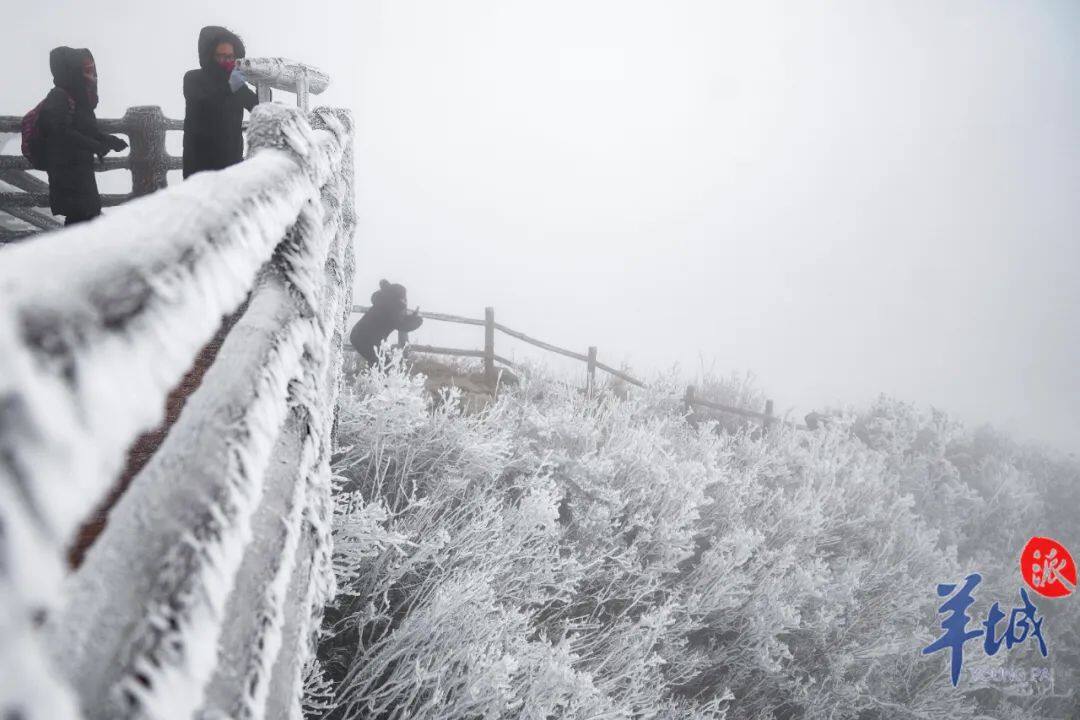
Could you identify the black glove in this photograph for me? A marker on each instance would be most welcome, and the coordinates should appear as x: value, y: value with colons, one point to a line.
x: 115, y: 144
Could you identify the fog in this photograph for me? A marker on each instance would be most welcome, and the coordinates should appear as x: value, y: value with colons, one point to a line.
x: 849, y: 199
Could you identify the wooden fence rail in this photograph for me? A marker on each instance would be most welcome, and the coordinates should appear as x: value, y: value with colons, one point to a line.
x: 148, y: 161
x: 146, y: 127
x: 203, y: 590
x: 490, y: 359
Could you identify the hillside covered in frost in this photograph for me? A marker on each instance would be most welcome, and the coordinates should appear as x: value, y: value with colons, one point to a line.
x: 555, y: 555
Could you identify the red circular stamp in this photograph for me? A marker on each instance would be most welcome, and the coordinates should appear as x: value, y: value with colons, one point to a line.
x: 1048, y: 568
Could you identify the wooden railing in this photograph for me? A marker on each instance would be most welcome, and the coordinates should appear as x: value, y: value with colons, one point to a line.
x: 281, y: 74
x: 491, y: 358
x: 148, y: 160
x: 201, y: 595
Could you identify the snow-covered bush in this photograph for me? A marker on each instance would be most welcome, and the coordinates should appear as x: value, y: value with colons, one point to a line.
x: 560, y: 555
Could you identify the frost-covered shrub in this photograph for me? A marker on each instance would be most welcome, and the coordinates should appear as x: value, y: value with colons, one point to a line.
x: 444, y: 555
x: 987, y: 496
x: 733, y: 390
x: 559, y: 555
x: 816, y: 580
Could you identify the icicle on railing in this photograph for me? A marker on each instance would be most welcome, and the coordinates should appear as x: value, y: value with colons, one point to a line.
x: 99, y: 322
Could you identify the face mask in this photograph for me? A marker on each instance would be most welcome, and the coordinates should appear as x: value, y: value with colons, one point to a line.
x: 91, y: 80
x: 227, y: 65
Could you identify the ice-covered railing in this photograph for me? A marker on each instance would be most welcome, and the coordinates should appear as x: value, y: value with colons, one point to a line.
x: 22, y: 194
x: 287, y: 75
x: 201, y: 596
x: 691, y: 399
x: 148, y: 160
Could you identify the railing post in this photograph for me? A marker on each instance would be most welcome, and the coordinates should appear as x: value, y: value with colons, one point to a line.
x: 402, y: 338
x: 489, y: 344
x: 768, y: 415
x: 145, y: 126
x: 262, y: 89
x: 590, y: 383
x: 302, y: 90
x: 688, y: 399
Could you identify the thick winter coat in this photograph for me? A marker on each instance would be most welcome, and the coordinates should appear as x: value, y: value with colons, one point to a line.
x: 388, y: 313
x: 72, y: 139
x: 214, y: 115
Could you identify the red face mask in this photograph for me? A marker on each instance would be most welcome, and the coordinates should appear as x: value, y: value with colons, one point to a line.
x: 227, y: 65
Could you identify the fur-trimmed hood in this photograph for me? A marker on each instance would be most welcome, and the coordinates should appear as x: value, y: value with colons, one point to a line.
x: 210, y: 37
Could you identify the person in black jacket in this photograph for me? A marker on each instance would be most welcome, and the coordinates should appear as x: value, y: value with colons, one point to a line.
x: 215, y: 96
x: 388, y: 312
x: 71, y: 135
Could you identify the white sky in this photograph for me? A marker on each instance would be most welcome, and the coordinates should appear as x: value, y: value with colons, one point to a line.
x: 845, y: 199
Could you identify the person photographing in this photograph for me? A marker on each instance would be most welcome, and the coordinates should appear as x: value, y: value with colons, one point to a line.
x: 215, y: 97
x: 388, y: 312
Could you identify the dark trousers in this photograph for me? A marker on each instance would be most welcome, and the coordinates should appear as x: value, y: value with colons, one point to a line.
x: 76, y: 219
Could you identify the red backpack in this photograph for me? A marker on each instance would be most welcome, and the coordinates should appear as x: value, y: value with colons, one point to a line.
x: 33, y: 139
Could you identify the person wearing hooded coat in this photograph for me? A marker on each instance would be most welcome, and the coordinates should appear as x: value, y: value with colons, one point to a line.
x: 72, y: 139
x: 216, y: 96
x: 388, y: 312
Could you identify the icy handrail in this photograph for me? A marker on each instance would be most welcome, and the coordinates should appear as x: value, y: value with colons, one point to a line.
x: 690, y: 398
x: 282, y: 74
x: 148, y: 161
x: 97, y: 323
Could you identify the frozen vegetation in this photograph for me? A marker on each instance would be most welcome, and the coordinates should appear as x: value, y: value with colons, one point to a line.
x: 562, y: 556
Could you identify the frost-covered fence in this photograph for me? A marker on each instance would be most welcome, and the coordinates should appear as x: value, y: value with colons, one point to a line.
x: 201, y: 596
x: 281, y: 74
x: 492, y: 359
x: 21, y: 193
x: 148, y: 161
